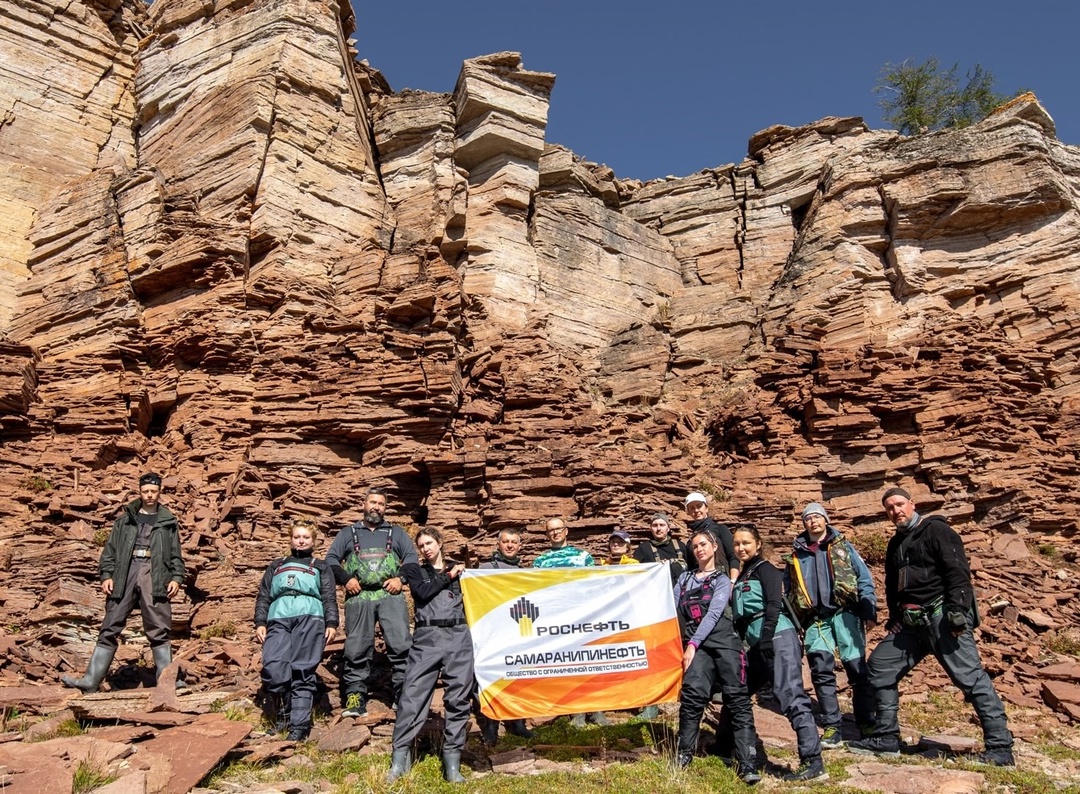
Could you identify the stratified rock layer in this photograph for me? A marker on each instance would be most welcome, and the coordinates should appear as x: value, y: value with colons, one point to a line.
x: 235, y: 256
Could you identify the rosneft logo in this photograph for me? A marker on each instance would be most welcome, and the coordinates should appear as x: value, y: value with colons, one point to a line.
x: 524, y: 612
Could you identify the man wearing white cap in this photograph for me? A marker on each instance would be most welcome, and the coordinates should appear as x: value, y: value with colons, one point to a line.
x: 697, y: 508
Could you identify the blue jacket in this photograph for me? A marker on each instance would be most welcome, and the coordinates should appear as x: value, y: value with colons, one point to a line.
x: 818, y: 574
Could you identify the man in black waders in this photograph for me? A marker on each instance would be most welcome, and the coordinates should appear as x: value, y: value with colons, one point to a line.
x: 140, y: 564
x: 366, y: 558
x: 931, y: 611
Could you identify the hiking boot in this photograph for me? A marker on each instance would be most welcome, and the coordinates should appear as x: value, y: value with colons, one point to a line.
x: 996, y: 756
x: 683, y: 760
x: 599, y: 718
x: 518, y: 728
x: 749, y: 775
x: 866, y: 731
x: 298, y: 734
x: 355, y: 705
x: 885, y: 745
x: 809, y: 769
x: 831, y: 738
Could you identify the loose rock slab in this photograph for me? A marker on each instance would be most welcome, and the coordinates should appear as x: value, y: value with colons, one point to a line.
x: 194, y: 749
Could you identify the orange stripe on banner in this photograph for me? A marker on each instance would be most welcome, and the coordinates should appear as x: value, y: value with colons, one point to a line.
x: 660, y: 683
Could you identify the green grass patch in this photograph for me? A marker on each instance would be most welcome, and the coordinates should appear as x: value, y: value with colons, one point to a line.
x: 65, y: 728
x: 220, y: 628
x: 1056, y: 751
x: 941, y: 713
x: 89, y: 776
x: 1020, y: 780
x: 1063, y: 641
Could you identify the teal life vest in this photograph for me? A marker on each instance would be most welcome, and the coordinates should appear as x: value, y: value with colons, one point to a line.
x: 295, y: 590
x: 748, y: 608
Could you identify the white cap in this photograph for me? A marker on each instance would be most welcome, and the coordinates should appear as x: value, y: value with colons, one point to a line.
x: 694, y: 497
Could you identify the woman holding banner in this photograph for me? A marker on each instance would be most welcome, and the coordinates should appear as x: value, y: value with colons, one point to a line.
x: 441, y: 642
x: 713, y: 652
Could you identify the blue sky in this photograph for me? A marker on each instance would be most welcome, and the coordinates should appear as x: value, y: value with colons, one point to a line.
x: 670, y: 88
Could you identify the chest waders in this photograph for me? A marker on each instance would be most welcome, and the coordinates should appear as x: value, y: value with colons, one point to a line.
x: 371, y: 567
x: 295, y: 590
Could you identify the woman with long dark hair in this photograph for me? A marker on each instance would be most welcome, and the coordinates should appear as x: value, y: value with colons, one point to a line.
x: 713, y: 652
x: 441, y: 644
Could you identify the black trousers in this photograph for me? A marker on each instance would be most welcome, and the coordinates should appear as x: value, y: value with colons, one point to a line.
x: 720, y: 660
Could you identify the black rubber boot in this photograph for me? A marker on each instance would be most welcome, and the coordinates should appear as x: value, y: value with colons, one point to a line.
x: 298, y: 733
x: 95, y: 671
x: 489, y: 731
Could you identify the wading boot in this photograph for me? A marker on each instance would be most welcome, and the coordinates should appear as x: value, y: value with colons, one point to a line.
x: 451, y: 766
x: 95, y: 671
x: 400, y: 764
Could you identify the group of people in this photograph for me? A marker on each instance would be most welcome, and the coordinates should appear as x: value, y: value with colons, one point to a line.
x: 746, y: 624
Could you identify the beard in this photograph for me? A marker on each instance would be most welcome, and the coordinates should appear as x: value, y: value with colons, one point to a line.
x: 373, y: 517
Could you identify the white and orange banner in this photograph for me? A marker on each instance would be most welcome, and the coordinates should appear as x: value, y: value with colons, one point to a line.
x: 571, y: 640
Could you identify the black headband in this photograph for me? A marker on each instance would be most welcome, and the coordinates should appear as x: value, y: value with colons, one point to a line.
x: 150, y: 479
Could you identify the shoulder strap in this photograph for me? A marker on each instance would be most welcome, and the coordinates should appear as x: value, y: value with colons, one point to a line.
x: 356, y: 541
x: 747, y: 574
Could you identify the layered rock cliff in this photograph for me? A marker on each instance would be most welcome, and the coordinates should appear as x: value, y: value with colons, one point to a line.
x: 233, y: 255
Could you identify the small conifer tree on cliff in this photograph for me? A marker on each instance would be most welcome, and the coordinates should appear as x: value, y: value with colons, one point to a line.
x: 922, y: 97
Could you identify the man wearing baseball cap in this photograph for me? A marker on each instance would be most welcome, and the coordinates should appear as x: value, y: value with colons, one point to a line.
x: 619, y: 549
x: 697, y: 510
x: 139, y: 566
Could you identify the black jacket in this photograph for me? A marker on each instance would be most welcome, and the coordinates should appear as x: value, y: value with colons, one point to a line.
x: 166, y: 564
x: 925, y: 563
x: 722, y: 533
x: 435, y: 595
x: 672, y: 551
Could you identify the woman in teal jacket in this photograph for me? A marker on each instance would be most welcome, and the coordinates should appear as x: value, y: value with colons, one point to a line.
x: 775, y: 651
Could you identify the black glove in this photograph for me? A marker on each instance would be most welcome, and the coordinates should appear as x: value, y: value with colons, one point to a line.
x: 765, y: 648
x: 867, y: 610
x: 957, y: 622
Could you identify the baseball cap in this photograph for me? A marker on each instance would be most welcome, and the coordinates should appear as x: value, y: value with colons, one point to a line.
x: 694, y: 497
